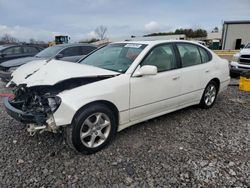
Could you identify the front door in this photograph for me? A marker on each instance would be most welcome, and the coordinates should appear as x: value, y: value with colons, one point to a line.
x: 155, y: 94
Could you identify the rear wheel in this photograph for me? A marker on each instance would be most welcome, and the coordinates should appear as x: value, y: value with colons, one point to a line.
x: 210, y: 94
x: 92, y: 129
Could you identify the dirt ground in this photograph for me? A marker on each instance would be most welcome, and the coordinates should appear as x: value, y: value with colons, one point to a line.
x: 192, y: 147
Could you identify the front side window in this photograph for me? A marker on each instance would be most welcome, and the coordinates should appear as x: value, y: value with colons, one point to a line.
x: 163, y: 57
x: 13, y: 50
x: 116, y: 57
x: 72, y: 51
x: 189, y: 54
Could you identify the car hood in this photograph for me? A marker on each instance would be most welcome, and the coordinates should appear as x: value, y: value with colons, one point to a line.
x: 49, y: 73
x: 245, y: 51
x: 19, y: 61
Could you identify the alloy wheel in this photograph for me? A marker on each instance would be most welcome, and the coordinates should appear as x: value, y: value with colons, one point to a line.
x: 95, y: 130
x: 210, y: 95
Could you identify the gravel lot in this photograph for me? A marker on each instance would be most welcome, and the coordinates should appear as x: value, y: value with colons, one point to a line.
x: 188, y: 148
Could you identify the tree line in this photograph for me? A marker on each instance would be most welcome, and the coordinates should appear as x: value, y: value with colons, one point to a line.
x: 190, y: 33
x: 8, y: 39
x: 100, y: 32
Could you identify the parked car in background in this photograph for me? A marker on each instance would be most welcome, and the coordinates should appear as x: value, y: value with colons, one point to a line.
x: 116, y: 86
x: 14, y: 51
x: 241, y: 62
x: 202, y: 43
x: 65, y: 52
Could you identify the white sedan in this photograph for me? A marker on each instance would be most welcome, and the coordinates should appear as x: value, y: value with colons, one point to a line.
x: 116, y: 86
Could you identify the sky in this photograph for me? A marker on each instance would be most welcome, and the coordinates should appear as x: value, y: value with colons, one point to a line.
x: 43, y: 19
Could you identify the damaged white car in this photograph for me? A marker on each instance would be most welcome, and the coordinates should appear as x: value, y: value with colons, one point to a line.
x: 115, y: 87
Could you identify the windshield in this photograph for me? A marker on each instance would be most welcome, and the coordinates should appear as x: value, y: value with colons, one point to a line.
x: 248, y: 45
x: 3, y: 47
x: 116, y: 57
x: 49, y: 52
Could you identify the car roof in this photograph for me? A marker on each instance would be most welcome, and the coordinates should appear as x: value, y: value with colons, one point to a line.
x: 10, y: 45
x: 4, y: 46
x: 155, y: 42
x: 7, y: 45
x: 75, y: 44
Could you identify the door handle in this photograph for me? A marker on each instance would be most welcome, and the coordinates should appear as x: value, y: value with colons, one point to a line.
x: 176, y: 78
x: 207, y: 71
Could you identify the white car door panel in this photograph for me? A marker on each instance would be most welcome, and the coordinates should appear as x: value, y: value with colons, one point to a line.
x: 156, y: 93
x: 191, y: 83
x: 195, y: 73
x: 153, y: 94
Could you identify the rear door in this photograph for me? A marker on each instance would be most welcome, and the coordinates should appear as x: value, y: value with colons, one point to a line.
x: 155, y: 94
x: 194, y: 72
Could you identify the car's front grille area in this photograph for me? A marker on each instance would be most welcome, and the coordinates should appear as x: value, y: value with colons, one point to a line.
x: 244, y: 59
x: 247, y: 68
x: 245, y: 56
x: 5, y: 69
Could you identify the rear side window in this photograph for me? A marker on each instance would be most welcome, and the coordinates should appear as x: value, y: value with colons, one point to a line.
x: 13, y: 50
x: 205, y: 56
x: 163, y: 57
x: 72, y: 51
x: 190, y: 54
x: 87, y: 49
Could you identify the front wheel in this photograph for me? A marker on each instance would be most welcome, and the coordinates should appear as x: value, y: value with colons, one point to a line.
x: 92, y: 129
x: 210, y: 94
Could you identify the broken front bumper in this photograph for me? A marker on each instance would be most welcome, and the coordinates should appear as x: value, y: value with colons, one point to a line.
x: 237, y: 68
x: 24, y: 117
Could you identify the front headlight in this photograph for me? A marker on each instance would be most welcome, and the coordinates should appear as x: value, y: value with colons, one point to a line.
x: 236, y: 57
x: 54, y: 103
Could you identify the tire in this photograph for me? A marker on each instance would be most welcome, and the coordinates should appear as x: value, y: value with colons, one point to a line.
x: 209, y: 95
x: 92, y: 129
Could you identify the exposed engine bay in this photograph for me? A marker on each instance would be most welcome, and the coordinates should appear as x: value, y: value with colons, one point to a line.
x: 38, y: 103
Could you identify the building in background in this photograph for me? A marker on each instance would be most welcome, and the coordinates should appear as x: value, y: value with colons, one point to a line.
x: 213, y: 40
x: 235, y: 34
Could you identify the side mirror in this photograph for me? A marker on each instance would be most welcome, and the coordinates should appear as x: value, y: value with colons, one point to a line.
x: 146, y: 70
x: 59, y: 56
x: 242, y: 46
